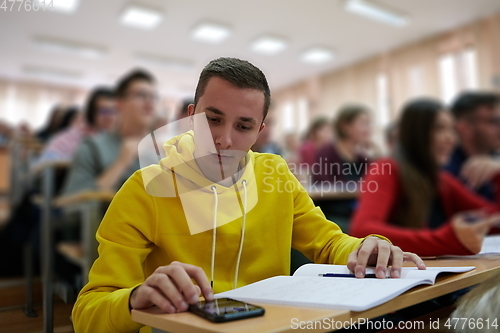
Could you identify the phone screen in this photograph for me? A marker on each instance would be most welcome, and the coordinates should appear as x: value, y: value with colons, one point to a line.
x: 226, y: 309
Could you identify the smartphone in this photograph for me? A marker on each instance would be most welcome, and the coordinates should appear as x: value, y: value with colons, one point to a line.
x: 225, y: 309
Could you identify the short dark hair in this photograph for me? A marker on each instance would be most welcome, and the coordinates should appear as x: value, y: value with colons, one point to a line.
x: 468, y: 102
x: 131, y: 77
x: 239, y: 73
x: 346, y: 115
x: 95, y: 95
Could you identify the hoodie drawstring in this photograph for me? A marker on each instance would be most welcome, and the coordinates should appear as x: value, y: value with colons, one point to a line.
x: 214, y: 235
x: 242, y: 238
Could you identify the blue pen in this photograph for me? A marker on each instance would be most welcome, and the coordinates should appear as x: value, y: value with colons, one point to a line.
x: 373, y: 276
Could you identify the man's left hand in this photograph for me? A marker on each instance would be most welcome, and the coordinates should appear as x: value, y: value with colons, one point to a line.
x: 377, y: 252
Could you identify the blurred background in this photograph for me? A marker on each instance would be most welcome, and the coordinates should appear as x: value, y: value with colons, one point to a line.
x: 317, y: 55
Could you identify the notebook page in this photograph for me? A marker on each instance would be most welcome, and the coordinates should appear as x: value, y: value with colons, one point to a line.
x: 313, y: 270
x: 431, y: 273
x: 335, y: 293
x: 491, y: 245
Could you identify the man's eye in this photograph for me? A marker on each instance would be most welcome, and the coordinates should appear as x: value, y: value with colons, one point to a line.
x: 212, y: 119
x: 245, y: 128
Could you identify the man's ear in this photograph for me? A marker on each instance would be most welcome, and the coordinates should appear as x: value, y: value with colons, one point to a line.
x: 190, y: 109
x: 190, y: 114
x: 262, y: 126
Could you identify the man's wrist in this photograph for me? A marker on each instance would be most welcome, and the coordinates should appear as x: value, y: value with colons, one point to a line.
x: 130, y: 308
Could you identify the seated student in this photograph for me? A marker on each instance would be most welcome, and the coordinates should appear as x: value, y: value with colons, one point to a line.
x: 100, y: 116
x: 408, y: 199
x: 343, y: 160
x: 106, y: 160
x: 153, y: 243
x: 475, y: 161
x: 477, y: 312
x: 318, y: 134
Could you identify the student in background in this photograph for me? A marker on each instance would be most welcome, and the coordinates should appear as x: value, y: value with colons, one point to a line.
x: 150, y: 256
x: 99, y: 116
x: 318, y: 135
x: 106, y: 160
x: 480, y: 308
x: 291, y: 149
x: 264, y: 143
x: 391, y: 137
x: 53, y: 124
x: 343, y: 160
x: 420, y: 208
x: 475, y: 161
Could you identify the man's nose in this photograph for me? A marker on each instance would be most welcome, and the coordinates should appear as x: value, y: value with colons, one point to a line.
x: 223, y: 139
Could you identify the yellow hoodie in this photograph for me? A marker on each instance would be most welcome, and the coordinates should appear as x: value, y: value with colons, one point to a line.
x: 148, y: 226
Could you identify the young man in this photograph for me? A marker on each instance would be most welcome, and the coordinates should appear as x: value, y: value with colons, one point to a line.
x: 475, y: 161
x: 106, y: 160
x: 212, y: 207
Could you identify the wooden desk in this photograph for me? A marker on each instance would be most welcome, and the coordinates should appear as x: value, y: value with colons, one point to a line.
x: 332, y: 195
x: 279, y: 318
x: 88, y: 204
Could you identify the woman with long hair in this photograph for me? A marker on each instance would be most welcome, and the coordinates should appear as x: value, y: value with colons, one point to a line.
x: 416, y: 205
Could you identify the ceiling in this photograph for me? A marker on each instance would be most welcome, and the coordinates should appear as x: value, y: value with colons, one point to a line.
x: 302, y: 23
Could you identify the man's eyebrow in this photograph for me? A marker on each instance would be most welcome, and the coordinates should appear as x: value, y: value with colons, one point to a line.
x: 248, y: 120
x: 219, y: 112
x: 215, y: 110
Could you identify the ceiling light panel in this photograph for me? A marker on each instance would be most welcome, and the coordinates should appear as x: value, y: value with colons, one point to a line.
x: 137, y: 16
x: 376, y: 12
x: 269, y: 45
x: 209, y: 32
x: 317, y: 55
x: 62, y: 6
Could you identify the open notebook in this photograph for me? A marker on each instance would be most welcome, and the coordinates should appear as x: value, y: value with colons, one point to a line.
x: 306, y: 288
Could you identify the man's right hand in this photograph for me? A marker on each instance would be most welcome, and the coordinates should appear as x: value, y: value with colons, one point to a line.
x: 472, y: 227
x: 171, y: 289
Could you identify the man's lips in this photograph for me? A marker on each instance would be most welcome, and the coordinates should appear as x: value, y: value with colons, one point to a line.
x: 221, y: 158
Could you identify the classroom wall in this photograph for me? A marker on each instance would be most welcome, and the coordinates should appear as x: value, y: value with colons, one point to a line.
x: 324, y: 94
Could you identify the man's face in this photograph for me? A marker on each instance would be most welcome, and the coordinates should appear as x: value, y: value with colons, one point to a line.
x: 486, y: 128
x: 234, y: 116
x: 105, y: 117
x: 139, y: 103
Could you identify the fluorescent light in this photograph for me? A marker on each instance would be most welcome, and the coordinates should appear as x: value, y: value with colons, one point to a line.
x: 167, y: 62
x: 69, y: 47
x: 269, y: 45
x: 317, y: 55
x: 376, y: 12
x: 62, y: 6
x: 209, y: 32
x: 48, y: 72
x: 141, y: 17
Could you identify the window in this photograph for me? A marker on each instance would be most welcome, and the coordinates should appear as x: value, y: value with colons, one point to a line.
x: 458, y: 71
x: 383, y: 99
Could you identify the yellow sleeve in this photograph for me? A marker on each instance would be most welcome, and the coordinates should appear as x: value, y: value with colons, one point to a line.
x: 319, y: 239
x: 125, y: 239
